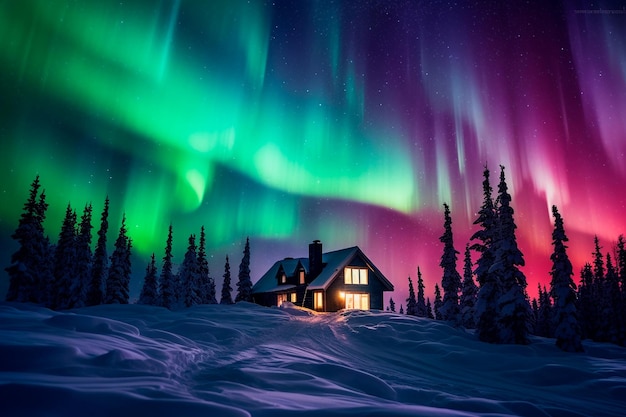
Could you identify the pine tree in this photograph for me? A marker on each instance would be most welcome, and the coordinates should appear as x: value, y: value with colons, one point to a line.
x: 485, y: 310
x: 401, y: 309
x: 611, y: 294
x: 621, y: 268
x: 563, y: 291
x: 451, y: 280
x: 514, y: 314
x: 411, y: 304
x: 149, y: 292
x: 226, y: 289
x: 99, y: 270
x: 599, y: 302
x: 27, y: 272
x: 65, y: 261
x: 429, y: 309
x: 207, y: 284
x: 82, y: 277
x: 167, y: 290
x: 438, y: 303
x: 244, y: 285
x: 585, y: 303
x: 190, y: 275
x: 421, y: 302
x: 118, y: 280
x: 392, y: 305
x: 543, y: 320
x: 468, y: 293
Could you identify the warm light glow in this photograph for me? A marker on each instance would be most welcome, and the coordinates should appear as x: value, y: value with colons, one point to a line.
x: 342, y: 294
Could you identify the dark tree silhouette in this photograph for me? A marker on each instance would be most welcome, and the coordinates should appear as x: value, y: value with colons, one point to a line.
x: 226, y: 289
x: 563, y: 291
x: 401, y: 309
x: 118, y: 280
x: 82, y: 268
x: 438, y: 303
x: 29, y: 273
x: 149, y: 292
x: 421, y: 301
x: 429, y: 309
x: 392, y: 305
x: 167, y: 289
x: 487, y: 299
x: 99, y: 270
x: 190, y: 274
x: 585, y: 303
x: 543, y: 315
x: 468, y: 292
x: 207, y: 284
x: 244, y: 284
x: 451, y: 280
x: 411, y: 304
x: 65, y: 261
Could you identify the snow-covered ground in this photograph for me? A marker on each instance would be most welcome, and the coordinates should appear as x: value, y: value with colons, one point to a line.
x: 248, y: 360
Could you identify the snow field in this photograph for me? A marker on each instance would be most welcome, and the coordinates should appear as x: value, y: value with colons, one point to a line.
x: 242, y: 360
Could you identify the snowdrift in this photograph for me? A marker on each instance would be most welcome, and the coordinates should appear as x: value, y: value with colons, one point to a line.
x: 246, y: 360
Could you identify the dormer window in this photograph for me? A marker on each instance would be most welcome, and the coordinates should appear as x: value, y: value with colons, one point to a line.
x: 302, y: 277
x: 283, y: 279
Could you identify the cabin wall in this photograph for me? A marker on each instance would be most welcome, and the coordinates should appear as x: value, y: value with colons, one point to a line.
x: 334, y: 299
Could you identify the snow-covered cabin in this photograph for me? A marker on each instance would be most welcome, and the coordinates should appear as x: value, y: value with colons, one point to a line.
x: 331, y: 281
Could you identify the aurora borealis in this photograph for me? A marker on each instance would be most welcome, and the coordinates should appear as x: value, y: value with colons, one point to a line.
x: 351, y: 122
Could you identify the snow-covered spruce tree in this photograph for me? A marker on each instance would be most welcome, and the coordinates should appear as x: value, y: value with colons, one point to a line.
x: 421, y: 301
x: 27, y: 271
x: 118, y: 279
x: 451, y: 280
x: 485, y: 310
x: 150, y: 291
x: 167, y: 294
x: 65, y: 261
x: 584, y: 303
x: 392, y: 305
x: 411, y: 304
x: 207, y: 284
x: 563, y: 291
x: 514, y: 313
x: 82, y: 277
x: 244, y: 284
x: 190, y: 275
x: 438, y: 303
x: 226, y: 289
x: 429, y: 309
x: 468, y: 292
x: 599, y: 302
x: 95, y: 292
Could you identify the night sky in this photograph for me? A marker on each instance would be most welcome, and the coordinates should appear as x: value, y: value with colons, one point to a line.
x: 351, y: 122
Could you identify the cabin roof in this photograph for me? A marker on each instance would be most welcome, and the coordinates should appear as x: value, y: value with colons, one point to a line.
x: 333, y: 262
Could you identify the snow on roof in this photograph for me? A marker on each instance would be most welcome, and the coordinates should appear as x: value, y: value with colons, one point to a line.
x: 333, y: 263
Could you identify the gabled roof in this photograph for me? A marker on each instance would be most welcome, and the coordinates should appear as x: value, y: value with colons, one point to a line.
x: 333, y: 262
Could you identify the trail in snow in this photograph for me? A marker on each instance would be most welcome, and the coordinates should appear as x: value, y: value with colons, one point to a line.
x: 248, y: 360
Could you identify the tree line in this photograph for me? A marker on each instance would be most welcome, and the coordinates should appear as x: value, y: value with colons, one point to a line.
x: 69, y: 275
x: 497, y: 306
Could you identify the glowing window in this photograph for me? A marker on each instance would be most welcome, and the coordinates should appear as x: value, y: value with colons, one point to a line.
x: 357, y: 301
x: 292, y: 297
x: 283, y: 279
x: 301, y: 277
x: 318, y: 300
x: 281, y: 299
x: 355, y: 276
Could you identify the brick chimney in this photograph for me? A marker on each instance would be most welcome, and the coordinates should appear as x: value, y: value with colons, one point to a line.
x: 315, y: 259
